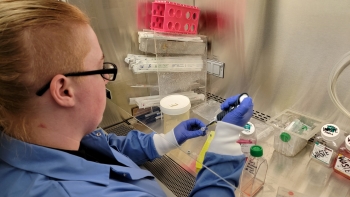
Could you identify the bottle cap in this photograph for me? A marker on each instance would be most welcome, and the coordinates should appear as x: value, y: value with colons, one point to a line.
x: 249, y: 128
x: 256, y: 151
x: 330, y: 132
x: 285, y: 137
x: 175, y: 104
x: 347, y: 142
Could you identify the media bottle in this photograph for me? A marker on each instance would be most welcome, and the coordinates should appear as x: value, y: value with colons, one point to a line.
x: 254, y: 172
x: 342, y: 161
x: 247, y: 138
x: 327, y: 144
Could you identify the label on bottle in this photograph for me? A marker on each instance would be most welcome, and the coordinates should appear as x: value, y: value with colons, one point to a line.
x: 246, y: 148
x: 245, y: 145
x: 251, y: 166
x: 342, y: 164
x: 322, y: 153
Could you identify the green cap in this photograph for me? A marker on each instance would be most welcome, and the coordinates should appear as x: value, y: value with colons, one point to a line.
x: 285, y: 137
x: 256, y: 151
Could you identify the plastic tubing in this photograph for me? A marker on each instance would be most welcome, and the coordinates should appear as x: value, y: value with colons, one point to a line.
x: 333, y: 78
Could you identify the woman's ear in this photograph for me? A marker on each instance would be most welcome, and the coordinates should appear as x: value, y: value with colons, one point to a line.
x: 62, y: 91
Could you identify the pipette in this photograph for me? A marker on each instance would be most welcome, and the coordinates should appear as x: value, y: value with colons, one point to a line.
x: 221, y: 115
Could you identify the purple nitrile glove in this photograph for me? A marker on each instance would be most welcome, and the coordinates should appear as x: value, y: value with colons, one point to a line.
x: 188, y: 129
x: 240, y: 115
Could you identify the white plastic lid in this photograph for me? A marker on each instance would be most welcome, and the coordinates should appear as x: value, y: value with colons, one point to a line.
x: 347, y: 142
x: 175, y: 104
x: 249, y: 129
x: 330, y: 131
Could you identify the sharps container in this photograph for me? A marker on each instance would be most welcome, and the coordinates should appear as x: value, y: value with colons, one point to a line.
x: 175, y: 109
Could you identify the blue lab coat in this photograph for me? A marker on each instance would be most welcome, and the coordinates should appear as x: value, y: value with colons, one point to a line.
x: 32, y: 170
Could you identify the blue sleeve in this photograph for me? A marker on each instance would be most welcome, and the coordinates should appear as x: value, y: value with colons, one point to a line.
x: 226, y: 166
x: 138, y: 146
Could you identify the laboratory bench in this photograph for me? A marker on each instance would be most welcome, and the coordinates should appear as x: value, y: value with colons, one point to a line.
x: 296, y: 176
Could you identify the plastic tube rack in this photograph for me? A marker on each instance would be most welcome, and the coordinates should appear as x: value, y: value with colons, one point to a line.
x: 174, y: 17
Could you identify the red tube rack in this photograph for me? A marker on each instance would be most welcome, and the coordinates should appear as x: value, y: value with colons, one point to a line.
x: 174, y: 17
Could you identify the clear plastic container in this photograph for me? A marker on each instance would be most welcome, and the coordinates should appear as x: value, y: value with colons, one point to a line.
x: 175, y: 109
x: 288, y: 144
x: 342, y: 161
x: 293, y: 130
x: 247, y: 138
x: 262, y: 130
x: 327, y: 144
x: 254, y: 172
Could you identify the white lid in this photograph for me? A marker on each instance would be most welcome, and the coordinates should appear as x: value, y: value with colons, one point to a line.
x: 347, y: 142
x: 175, y: 104
x: 330, y: 131
x: 249, y: 129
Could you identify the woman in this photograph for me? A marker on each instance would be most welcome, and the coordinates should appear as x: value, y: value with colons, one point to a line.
x: 52, y: 80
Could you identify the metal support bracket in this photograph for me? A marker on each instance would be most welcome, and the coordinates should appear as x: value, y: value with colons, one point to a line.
x: 215, y: 68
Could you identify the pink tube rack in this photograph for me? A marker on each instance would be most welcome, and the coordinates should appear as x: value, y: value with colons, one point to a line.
x: 174, y: 17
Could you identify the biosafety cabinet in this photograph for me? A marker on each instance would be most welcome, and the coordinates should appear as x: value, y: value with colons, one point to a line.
x: 287, y: 55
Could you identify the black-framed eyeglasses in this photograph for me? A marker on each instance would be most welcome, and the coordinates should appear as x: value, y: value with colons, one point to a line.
x: 109, y: 72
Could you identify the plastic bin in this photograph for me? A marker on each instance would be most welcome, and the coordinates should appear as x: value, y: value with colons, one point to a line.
x: 293, y: 130
x: 174, y: 17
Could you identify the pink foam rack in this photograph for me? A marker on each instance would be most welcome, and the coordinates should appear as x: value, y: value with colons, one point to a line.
x: 174, y: 17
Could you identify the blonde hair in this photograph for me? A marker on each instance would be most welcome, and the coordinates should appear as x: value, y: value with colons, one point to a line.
x: 38, y: 39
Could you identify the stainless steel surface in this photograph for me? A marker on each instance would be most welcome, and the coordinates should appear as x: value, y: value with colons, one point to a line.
x: 298, y: 173
x: 280, y: 52
x: 300, y: 43
x: 223, y: 23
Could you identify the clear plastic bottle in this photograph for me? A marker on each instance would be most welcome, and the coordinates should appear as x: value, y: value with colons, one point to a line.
x: 247, y: 138
x: 254, y: 172
x: 327, y: 144
x: 342, y: 161
x: 175, y: 109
